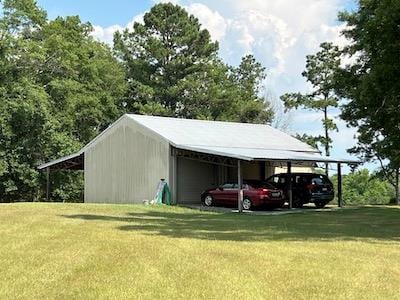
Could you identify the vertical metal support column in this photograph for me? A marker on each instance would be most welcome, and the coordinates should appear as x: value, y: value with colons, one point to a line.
x: 261, y: 165
x: 339, y: 185
x: 47, y: 183
x: 240, y: 191
x: 290, y: 192
x: 174, y: 178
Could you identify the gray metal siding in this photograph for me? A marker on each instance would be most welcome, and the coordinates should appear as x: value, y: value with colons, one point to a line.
x: 251, y: 170
x: 125, y: 165
x: 193, y: 177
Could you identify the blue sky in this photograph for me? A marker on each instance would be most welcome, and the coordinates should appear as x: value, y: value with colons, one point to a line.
x: 107, y: 13
x: 100, y: 12
x: 280, y: 33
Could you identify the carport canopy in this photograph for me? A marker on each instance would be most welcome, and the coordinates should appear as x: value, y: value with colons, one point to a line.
x: 239, y: 154
x: 256, y: 154
x: 74, y: 161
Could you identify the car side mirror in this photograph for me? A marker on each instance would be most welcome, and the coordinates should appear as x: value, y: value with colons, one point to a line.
x: 220, y: 188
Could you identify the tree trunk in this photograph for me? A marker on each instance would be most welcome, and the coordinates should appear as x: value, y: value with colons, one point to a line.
x: 326, y: 139
x: 397, y: 186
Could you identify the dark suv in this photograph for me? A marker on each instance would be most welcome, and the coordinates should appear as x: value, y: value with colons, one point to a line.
x: 306, y: 187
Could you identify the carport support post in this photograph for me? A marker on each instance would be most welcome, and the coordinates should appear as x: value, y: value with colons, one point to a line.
x: 240, y: 191
x: 174, y: 177
x: 339, y: 185
x: 47, y: 183
x: 289, y: 171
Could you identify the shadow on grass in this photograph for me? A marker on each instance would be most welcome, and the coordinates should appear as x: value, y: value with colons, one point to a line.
x: 381, y: 223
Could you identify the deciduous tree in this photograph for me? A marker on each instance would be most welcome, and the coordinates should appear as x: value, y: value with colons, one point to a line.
x: 371, y: 83
x: 58, y: 89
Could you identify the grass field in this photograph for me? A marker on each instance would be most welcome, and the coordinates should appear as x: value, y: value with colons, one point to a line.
x: 79, y: 251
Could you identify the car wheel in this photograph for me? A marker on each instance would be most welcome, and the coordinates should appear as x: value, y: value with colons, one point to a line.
x: 297, y: 202
x: 320, y: 204
x: 247, y: 204
x: 208, y: 200
x: 282, y: 205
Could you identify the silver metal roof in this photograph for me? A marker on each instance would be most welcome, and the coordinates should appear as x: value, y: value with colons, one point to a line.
x: 237, y: 140
x: 203, y: 133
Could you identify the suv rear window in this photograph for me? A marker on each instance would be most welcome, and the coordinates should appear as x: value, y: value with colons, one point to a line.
x: 320, y: 180
x: 277, y: 179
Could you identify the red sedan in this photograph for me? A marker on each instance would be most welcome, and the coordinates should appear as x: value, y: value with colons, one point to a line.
x: 255, y: 194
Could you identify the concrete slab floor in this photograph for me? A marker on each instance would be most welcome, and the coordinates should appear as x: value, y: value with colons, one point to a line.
x: 280, y: 211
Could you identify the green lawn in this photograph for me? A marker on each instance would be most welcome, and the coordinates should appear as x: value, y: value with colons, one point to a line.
x: 123, y: 251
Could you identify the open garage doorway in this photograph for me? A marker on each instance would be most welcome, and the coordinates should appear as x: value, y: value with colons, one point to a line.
x: 195, y: 176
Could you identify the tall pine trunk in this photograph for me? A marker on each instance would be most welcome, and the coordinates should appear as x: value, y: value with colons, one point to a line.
x: 326, y: 138
x: 397, y: 186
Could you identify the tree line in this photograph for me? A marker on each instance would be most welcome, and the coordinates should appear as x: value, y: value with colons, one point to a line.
x: 59, y: 87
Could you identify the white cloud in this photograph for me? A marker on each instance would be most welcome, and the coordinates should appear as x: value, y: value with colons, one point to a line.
x: 211, y: 20
x: 280, y: 33
x: 105, y: 34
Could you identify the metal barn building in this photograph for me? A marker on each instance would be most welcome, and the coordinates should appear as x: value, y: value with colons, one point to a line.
x: 125, y: 163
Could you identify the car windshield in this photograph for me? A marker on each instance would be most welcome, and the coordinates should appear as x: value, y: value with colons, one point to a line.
x: 227, y: 186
